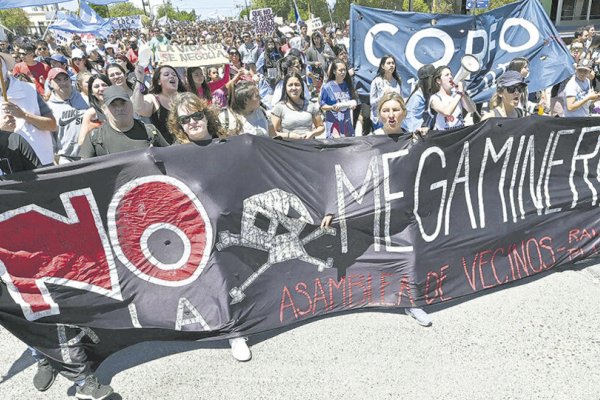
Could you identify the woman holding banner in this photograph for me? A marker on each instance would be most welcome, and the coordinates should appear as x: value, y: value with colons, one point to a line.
x: 157, y: 105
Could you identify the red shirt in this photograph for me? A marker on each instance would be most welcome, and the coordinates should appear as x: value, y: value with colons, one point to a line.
x: 132, y: 55
x: 37, y: 73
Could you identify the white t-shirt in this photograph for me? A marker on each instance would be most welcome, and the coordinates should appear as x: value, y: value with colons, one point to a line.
x: 442, y: 122
x: 578, y: 89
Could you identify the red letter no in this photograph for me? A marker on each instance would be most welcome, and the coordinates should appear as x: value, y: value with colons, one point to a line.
x: 160, y: 230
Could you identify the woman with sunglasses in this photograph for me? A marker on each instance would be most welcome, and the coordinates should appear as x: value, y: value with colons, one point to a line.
x: 157, y: 105
x: 192, y: 120
x: 80, y: 63
x: 235, y: 62
x: 510, y: 87
x: 445, y: 104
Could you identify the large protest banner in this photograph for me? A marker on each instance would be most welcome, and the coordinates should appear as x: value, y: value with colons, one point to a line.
x: 130, y: 22
x: 191, y: 56
x: 263, y: 21
x: 211, y: 241
x: 520, y: 29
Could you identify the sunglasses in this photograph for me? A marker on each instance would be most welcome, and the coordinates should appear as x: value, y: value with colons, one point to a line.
x: 42, y: 48
x: 514, y: 89
x: 75, y: 59
x: 185, y: 119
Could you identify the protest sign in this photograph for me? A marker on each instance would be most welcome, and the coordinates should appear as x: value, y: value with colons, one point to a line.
x: 520, y: 29
x: 151, y: 244
x: 313, y: 25
x: 263, y: 21
x: 62, y: 38
x: 130, y: 22
x: 191, y: 56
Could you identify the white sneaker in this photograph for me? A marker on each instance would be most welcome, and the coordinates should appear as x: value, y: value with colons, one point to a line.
x: 421, y: 316
x: 239, y: 349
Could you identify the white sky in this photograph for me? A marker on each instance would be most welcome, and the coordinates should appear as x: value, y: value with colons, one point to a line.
x: 205, y: 8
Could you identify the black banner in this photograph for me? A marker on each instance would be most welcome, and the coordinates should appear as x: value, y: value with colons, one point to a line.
x: 201, y: 242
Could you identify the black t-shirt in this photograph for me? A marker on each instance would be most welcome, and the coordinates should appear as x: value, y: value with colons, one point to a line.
x: 105, y: 140
x: 16, y: 154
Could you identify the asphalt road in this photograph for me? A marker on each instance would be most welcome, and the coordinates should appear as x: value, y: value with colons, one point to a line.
x: 536, y: 339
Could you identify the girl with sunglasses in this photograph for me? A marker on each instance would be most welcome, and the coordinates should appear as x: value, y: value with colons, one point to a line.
x: 510, y: 87
x: 192, y: 120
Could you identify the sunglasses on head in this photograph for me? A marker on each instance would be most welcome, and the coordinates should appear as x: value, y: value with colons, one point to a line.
x: 185, y: 119
x: 514, y: 89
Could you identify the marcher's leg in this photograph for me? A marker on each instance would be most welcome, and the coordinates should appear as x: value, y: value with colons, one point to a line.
x: 421, y: 316
x: 239, y: 349
x: 45, y: 374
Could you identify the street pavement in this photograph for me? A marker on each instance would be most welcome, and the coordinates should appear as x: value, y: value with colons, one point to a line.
x: 535, y: 339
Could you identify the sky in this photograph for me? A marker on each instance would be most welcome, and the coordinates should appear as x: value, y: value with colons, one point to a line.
x: 205, y: 8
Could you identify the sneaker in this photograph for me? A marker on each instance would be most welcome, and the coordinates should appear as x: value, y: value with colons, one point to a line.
x: 239, y: 349
x: 92, y: 389
x: 45, y: 375
x: 421, y: 316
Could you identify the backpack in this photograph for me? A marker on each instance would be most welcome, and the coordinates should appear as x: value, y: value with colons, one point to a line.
x: 97, y: 138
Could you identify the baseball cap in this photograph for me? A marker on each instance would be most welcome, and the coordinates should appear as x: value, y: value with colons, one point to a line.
x: 54, y: 72
x: 113, y: 93
x: 59, y: 57
x: 77, y: 53
x: 584, y: 63
x: 510, y: 78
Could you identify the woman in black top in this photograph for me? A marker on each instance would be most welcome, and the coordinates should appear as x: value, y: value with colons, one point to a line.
x: 166, y: 83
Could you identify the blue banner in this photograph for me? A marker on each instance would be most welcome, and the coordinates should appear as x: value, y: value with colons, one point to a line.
x: 496, y: 37
x: 5, y: 4
x: 71, y: 24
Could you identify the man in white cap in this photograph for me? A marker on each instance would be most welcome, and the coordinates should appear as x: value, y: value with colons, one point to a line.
x: 578, y: 92
x: 68, y: 107
x: 33, y: 118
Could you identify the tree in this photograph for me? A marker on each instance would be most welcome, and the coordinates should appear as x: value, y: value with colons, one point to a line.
x: 100, y: 10
x: 15, y: 19
x: 124, y: 10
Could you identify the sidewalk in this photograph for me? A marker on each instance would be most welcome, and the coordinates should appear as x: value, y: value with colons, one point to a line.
x: 537, y: 340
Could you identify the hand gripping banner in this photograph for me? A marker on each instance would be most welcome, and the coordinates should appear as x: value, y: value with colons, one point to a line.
x: 196, y: 242
x: 520, y: 29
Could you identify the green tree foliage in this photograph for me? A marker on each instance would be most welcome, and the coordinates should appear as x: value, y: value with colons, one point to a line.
x: 124, y: 10
x: 176, y: 15
x: 341, y: 11
x: 15, y: 19
x: 100, y: 10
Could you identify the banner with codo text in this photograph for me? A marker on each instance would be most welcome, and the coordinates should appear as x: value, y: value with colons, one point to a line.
x: 192, y: 56
x: 196, y: 242
x: 520, y: 29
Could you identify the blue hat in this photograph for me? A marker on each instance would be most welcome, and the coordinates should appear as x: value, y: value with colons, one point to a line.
x: 510, y: 78
x: 59, y: 57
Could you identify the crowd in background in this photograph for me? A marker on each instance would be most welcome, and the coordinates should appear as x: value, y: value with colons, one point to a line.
x: 291, y: 83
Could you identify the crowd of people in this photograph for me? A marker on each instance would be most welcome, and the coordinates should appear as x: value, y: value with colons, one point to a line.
x: 74, y: 101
